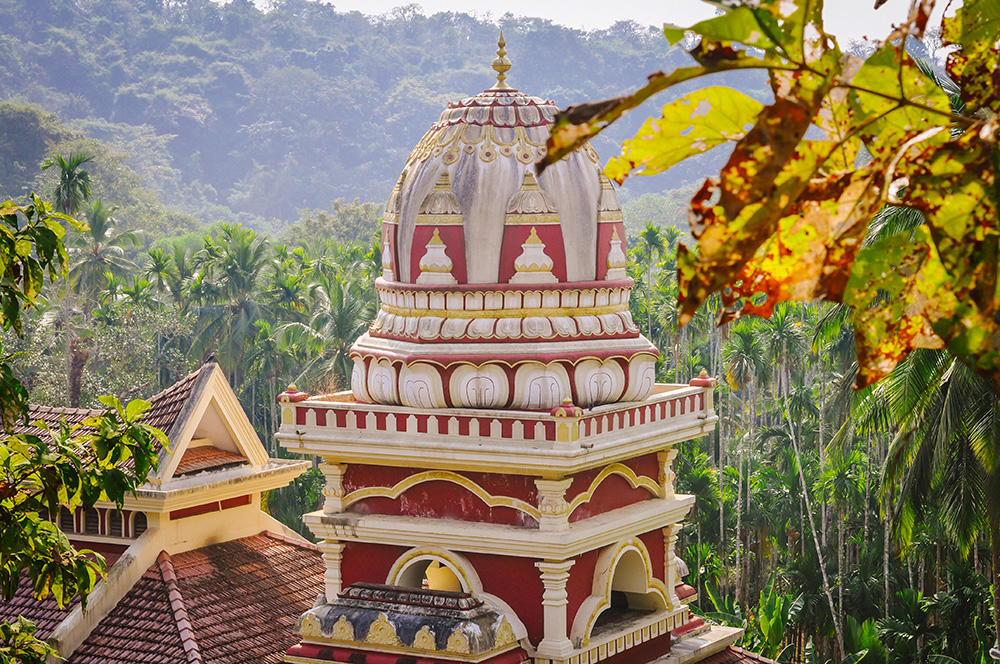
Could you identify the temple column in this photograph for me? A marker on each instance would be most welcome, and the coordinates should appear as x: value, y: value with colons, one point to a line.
x: 332, y: 556
x: 555, y: 643
x: 667, y: 476
x: 333, y: 490
x: 669, y: 563
x: 552, y: 504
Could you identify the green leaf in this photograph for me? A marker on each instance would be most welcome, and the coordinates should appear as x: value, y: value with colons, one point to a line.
x: 974, y: 29
x: 739, y: 25
x: 691, y: 125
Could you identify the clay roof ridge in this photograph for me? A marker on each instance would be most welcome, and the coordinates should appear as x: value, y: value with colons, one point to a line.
x: 281, y: 537
x: 184, y: 625
x: 200, y: 378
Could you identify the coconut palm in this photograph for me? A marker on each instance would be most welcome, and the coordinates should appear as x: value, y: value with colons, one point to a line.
x: 650, y: 249
x: 99, y: 250
x: 73, y: 189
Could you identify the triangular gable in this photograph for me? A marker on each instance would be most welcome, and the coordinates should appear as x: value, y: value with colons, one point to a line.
x: 211, y: 417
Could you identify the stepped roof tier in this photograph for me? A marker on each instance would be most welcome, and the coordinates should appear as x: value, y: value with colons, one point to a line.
x: 501, y: 288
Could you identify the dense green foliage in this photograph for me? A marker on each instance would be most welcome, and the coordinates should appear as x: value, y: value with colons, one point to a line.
x: 237, y: 114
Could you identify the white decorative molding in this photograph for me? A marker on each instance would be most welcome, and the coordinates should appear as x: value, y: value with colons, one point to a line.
x: 436, y: 265
x: 485, y: 386
x: 420, y: 386
x: 617, y: 261
x: 332, y: 557
x: 539, y: 386
x: 555, y: 574
x: 533, y: 266
x: 598, y: 382
x: 333, y: 490
x: 552, y: 503
x: 637, y: 580
x: 382, y: 381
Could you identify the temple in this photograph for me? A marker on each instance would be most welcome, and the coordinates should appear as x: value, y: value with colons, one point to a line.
x: 499, y: 483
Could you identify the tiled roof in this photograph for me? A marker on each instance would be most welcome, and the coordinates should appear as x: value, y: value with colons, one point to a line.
x: 229, y: 603
x: 207, y: 457
x: 166, y: 409
x: 734, y: 655
x: 45, y: 613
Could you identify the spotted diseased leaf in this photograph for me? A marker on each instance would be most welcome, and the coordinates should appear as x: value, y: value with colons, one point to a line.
x: 691, y: 125
x: 893, y: 101
x: 888, y: 290
x: 975, y: 29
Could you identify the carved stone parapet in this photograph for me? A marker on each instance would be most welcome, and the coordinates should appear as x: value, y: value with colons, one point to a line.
x: 552, y: 504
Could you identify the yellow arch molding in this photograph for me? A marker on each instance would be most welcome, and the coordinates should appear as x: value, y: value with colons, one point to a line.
x: 403, y: 485
x: 600, y: 599
x: 635, y: 481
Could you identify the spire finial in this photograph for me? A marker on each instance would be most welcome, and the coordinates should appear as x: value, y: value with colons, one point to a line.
x: 501, y: 65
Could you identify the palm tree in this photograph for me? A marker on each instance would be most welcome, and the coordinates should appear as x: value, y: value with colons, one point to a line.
x: 100, y: 250
x: 73, y: 189
x: 649, y: 250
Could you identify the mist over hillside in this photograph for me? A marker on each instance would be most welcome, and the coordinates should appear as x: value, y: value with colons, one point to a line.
x: 230, y: 112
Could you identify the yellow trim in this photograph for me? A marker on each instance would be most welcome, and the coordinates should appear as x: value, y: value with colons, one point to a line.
x: 456, y: 562
x: 506, y: 313
x: 652, y: 584
x: 400, y: 487
x: 634, y: 481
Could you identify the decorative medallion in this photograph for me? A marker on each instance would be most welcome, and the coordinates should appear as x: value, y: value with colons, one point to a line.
x: 383, y: 633
x: 309, y: 626
x: 504, y: 634
x: 458, y: 642
x: 343, y: 630
x: 424, y: 639
x: 533, y: 266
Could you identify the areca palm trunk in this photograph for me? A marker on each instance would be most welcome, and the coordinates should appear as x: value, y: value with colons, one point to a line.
x: 995, y: 555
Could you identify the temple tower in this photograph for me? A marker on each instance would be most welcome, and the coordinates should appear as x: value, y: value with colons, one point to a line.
x: 499, y: 483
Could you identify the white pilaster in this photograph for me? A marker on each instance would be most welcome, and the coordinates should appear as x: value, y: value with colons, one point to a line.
x: 555, y: 643
x: 332, y: 555
x: 667, y: 476
x: 552, y: 504
x: 670, y: 579
x: 333, y: 491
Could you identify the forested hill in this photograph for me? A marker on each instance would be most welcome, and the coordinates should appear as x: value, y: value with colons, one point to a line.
x: 228, y: 110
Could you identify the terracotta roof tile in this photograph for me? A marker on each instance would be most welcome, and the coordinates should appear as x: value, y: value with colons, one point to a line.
x: 164, y: 413
x: 46, y: 614
x: 141, y: 628
x: 734, y: 655
x: 207, y: 457
x: 229, y: 603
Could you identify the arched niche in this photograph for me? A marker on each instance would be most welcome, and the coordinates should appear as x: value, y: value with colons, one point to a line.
x: 623, y: 586
x: 410, y: 569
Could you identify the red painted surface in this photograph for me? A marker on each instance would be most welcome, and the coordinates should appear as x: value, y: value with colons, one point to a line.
x: 604, y: 232
x: 443, y: 500
x: 453, y: 236
x: 581, y: 583
x: 336, y: 654
x: 514, y: 235
x: 368, y: 563
x: 614, y: 491
x: 693, y: 624
x: 196, y: 510
x: 359, y: 476
x: 516, y: 581
x: 654, y: 544
x: 238, y: 501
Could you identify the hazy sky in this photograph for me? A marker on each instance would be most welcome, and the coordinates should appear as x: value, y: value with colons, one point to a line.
x: 847, y: 19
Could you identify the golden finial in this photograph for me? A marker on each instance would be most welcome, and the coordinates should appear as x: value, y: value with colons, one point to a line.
x: 501, y: 65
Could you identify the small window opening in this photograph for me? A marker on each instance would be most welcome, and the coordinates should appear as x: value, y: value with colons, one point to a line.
x: 92, y: 522
x: 139, y: 524
x: 114, y: 523
x: 66, y: 521
x: 630, y: 598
